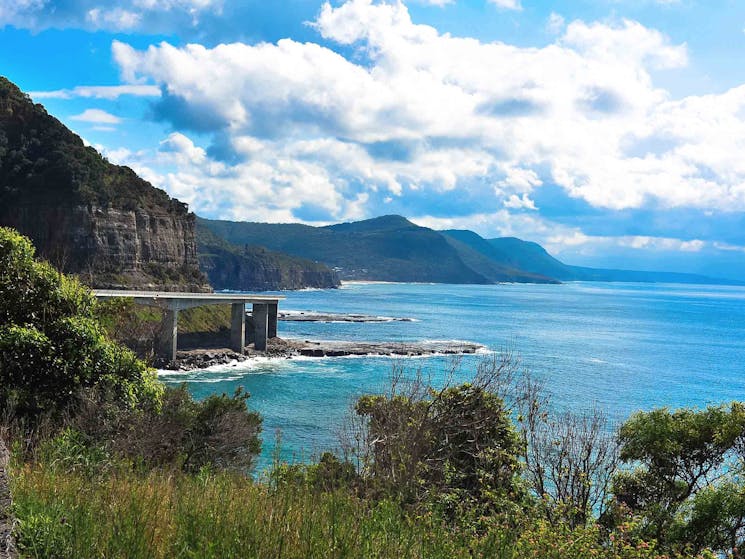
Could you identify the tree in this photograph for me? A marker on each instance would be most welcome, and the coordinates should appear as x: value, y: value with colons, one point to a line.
x: 684, y: 489
x: 570, y: 459
x: 219, y: 432
x: 452, y: 445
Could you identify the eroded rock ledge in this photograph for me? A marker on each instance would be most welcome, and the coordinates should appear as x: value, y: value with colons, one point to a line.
x: 278, y: 347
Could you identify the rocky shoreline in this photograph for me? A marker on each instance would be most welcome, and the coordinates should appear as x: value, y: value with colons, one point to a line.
x: 281, y: 348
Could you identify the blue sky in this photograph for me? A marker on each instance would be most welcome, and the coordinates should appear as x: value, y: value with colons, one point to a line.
x: 611, y: 131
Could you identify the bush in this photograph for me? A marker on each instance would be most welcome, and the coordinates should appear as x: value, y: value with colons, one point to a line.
x: 454, y: 446
x: 218, y: 433
x: 51, y: 346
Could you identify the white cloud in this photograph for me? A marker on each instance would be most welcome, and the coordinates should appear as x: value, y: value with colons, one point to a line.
x: 96, y: 116
x: 507, y: 4
x: 115, y: 19
x: 516, y: 202
x: 126, y: 15
x: 555, y: 24
x: 99, y: 92
x: 420, y: 115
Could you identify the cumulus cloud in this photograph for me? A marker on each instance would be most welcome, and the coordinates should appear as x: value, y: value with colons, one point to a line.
x: 96, y: 116
x: 417, y: 116
x: 519, y: 202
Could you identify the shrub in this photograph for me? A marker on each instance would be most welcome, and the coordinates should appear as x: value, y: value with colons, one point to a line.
x: 454, y: 446
x: 51, y: 347
x: 218, y: 433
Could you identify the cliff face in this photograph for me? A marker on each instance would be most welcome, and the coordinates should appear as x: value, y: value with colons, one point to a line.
x: 114, y: 247
x: 256, y: 272
x: 252, y: 268
x: 85, y: 215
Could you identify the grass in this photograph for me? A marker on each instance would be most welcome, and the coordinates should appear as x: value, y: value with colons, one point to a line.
x: 124, y: 514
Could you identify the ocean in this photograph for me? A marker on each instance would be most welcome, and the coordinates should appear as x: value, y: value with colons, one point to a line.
x: 622, y: 347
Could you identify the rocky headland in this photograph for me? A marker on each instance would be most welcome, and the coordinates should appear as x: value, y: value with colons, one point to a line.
x: 85, y: 215
x: 254, y: 268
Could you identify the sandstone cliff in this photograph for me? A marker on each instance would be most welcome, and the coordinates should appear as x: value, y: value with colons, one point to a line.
x: 85, y: 215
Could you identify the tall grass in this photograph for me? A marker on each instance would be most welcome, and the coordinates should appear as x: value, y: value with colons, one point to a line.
x: 168, y: 515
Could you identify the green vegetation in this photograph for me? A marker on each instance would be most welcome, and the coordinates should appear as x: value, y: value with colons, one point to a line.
x: 109, y: 463
x: 220, y: 516
x: 391, y: 248
x: 686, y: 487
x: 42, y: 160
x: 61, y: 373
x: 51, y: 346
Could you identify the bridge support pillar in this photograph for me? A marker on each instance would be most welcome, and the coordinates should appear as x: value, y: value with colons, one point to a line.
x: 273, y: 312
x: 238, y: 327
x: 261, y: 325
x: 168, y: 339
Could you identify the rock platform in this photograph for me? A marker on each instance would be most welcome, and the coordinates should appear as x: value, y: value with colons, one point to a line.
x: 284, y: 348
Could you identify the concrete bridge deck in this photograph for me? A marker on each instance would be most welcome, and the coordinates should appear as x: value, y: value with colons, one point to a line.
x: 264, y: 310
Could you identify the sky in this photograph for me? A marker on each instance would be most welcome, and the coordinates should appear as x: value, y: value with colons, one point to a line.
x: 610, y: 131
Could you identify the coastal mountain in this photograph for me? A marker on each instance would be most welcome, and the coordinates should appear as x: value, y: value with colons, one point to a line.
x: 532, y: 257
x: 85, y: 215
x: 254, y: 268
x: 110, y: 227
x: 113, y: 229
x: 391, y: 248
x: 387, y: 248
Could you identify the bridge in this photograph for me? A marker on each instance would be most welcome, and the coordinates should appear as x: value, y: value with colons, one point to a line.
x: 264, y: 311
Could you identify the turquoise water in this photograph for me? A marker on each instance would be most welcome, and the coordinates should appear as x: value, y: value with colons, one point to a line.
x: 623, y: 346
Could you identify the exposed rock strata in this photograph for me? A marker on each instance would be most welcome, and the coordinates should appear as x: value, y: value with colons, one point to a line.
x: 115, y: 247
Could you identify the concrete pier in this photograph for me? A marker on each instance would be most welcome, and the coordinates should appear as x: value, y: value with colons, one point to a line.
x: 168, y: 337
x: 273, y: 317
x: 237, y: 327
x: 260, y: 314
x: 265, y: 311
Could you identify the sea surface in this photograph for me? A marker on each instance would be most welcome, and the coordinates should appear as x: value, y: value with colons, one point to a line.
x: 623, y: 347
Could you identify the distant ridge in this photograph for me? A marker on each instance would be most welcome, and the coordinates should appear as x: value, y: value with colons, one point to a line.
x: 533, y: 257
x: 392, y: 248
x: 386, y: 248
